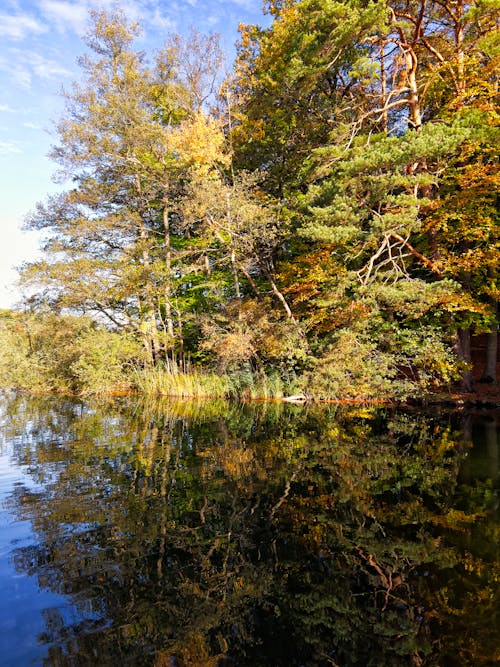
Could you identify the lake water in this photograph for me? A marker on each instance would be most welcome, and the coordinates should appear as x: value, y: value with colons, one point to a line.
x: 216, y: 535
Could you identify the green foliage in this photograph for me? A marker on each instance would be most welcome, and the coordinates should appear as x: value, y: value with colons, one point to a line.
x: 331, y: 227
x: 65, y: 354
x: 298, y: 80
x: 354, y: 368
x: 20, y: 366
x: 106, y: 361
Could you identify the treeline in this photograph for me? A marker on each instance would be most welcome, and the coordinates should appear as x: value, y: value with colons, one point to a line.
x: 325, y: 218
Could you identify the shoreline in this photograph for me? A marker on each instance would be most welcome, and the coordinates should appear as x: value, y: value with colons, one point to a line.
x: 485, y: 397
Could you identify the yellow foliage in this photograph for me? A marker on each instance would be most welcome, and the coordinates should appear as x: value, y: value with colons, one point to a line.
x: 194, y: 652
x: 199, y: 143
x: 456, y: 519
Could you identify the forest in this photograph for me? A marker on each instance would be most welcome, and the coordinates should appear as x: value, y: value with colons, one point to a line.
x: 320, y: 221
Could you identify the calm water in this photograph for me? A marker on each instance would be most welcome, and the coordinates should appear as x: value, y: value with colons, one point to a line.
x: 188, y: 535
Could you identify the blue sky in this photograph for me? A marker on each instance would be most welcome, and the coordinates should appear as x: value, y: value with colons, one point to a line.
x: 40, y: 42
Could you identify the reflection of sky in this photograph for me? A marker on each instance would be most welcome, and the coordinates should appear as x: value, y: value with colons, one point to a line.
x: 25, y: 609
x: 40, y: 42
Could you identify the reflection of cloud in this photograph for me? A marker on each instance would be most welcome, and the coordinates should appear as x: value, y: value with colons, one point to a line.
x: 9, y: 148
x: 19, y: 26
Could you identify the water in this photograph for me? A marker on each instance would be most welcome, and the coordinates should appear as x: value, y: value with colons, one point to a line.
x: 205, y: 535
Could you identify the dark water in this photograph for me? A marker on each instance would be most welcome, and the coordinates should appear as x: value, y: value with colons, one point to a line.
x: 215, y: 535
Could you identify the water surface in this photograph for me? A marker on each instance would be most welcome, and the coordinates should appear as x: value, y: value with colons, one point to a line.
x: 214, y: 535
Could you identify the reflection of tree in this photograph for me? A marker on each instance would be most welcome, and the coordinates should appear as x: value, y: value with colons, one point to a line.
x: 257, y: 538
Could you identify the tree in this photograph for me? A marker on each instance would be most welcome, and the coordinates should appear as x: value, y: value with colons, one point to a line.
x: 128, y: 139
x: 298, y: 81
x: 101, y: 231
x: 315, y: 221
x: 367, y: 198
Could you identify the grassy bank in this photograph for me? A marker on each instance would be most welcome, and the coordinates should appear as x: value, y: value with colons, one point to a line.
x: 188, y: 381
x: 73, y: 355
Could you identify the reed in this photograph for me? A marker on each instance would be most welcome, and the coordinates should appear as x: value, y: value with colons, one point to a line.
x: 181, y: 381
x: 264, y: 387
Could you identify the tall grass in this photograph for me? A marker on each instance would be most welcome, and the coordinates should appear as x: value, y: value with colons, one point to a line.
x: 181, y: 381
x: 252, y: 385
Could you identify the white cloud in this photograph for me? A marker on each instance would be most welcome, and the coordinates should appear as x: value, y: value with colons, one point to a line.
x: 246, y: 4
x: 157, y: 20
x: 9, y: 148
x: 17, y: 73
x: 22, y: 66
x: 32, y: 126
x: 43, y: 67
x: 18, y: 26
x: 39, y: 65
x: 68, y: 16
x: 65, y: 16
x: 4, y: 108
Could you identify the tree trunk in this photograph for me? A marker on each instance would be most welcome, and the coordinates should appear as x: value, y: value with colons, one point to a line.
x: 279, y: 295
x: 168, y: 272
x: 181, y: 333
x: 149, y: 321
x: 463, y: 347
x: 414, y: 111
x: 148, y: 324
x: 251, y: 281
x: 383, y: 81
x: 490, y: 370
x: 234, y: 268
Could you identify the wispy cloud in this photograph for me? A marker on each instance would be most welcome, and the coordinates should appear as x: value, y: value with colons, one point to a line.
x: 65, y: 16
x: 17, y: 74
x: 22, y: 66
x: 212, y: 19
x: 19, y: 26
x: 32, y: 126
x: 157, y: 20
x: 43, y: 67
x: 246, y: 4
x: 10, y: 148
x: 4, y: 108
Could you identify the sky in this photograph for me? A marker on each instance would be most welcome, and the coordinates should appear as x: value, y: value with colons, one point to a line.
x: 40, y: 41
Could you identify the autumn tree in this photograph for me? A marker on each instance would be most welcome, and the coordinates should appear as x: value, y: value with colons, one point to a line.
x: 243, y: 228
x: 128, y: 139
x: 297, y: 81
x: 330, y: 212
x: 363, y: 200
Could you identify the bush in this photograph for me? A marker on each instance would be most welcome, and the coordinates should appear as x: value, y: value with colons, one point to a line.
x: 105, y: 361
x: 48, y: 352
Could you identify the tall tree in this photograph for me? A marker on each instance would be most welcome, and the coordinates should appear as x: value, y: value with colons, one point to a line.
x: 297, y: 81
x: 128, y: 139
x: 100, y: 232
x: 375, y: 179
